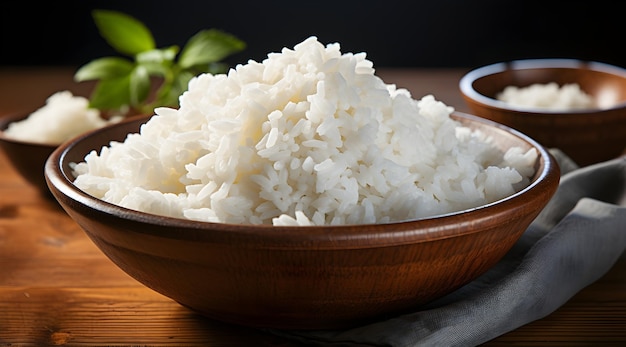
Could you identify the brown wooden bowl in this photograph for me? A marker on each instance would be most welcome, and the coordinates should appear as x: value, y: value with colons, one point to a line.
x: 28, y: 158
x: 317, y: 277
x: 587, y: 136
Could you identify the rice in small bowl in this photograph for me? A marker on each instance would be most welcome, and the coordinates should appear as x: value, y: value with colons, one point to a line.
x: 28, y: 139
x: 303, y: 192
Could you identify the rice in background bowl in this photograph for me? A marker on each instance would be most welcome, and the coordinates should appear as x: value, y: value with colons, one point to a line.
x: 549, y: 96
x: 62, y: 117
x: 309, y: 136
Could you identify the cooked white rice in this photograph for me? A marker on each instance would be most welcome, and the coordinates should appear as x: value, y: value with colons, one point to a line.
x: 63, y: 117
x: 309, y: 136
x: 547, y: 96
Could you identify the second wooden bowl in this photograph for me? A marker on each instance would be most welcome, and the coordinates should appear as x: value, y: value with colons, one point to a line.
x: 586, y: 135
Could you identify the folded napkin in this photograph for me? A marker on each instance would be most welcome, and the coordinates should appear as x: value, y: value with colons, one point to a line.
x: 573, y: 242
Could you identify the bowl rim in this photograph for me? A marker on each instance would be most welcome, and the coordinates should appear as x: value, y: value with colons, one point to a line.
x: 467, y: 88
x: 352, y: 236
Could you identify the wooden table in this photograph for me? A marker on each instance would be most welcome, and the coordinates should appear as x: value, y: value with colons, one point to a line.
x: 57, y: 288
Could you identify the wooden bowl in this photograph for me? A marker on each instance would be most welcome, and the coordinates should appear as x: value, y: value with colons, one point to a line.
x: 588, y: 136
x: 317, y: 277
x: 28, y: 158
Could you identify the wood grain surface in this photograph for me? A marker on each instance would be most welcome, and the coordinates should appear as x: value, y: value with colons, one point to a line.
x: 58, y: 289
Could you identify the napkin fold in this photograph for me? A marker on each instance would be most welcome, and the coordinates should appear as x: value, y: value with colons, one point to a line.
x: 573, y: 242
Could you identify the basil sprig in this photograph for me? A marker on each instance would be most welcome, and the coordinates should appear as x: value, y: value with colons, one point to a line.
x: 147, y: 76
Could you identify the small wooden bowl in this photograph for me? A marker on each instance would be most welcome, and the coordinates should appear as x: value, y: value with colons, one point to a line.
x: 319, y: 277
x: 588, y: 136
x: 28, y: 158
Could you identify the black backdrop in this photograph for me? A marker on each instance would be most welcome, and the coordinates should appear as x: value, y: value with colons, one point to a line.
x: 435, y: 33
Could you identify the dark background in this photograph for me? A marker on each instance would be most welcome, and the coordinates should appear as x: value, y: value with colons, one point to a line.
x: 435, y: 33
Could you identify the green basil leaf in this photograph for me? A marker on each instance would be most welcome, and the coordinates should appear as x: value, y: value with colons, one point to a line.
x: 103, y: 68
x: 217, y: 68
x: 139, y: 86
x: 182, y: 81
x: 124, y: 33
x: 209, y: 46
x: 126, y: 86
x: 159, y: 55
x: 111, y: 94
x: 158, y: 62
x: 156, y: 69
x: 169, y: 94
x: 166, y: 97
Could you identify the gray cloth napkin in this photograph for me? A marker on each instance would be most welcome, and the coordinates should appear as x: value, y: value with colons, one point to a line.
x: 573, y: 242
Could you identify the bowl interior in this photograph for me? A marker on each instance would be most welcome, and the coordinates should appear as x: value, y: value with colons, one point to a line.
x: 61, y: 177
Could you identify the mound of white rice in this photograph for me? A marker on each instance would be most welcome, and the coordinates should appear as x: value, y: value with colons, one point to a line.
x: 308, y: 136
x: 547, y: 96
x: 62, y: 117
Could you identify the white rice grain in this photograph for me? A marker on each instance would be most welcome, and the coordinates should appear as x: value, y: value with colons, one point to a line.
x: 309, y: 136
